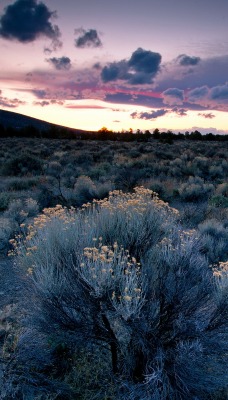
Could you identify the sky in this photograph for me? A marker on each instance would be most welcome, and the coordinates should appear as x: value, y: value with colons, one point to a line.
x: 139, y: 64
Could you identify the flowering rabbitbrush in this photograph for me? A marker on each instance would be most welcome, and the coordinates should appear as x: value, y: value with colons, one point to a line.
x: 120, y: 276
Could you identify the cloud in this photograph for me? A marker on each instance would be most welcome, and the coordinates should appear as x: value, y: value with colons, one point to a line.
x: 97, y: 66
x: 27, y: 20
x: 208, y: 72
x: 59, y: 102
x: 182, y: 112
x: 86, y: 106
x: 41, y: 103
x: 187, y: 61
x: 149, y: 115
x: 145, y: 61
x: 207, y: 115
x: 45, y: 103
x: 215, y: 97
x: 131, y: 99
x: 219, y: 93
x: 10, y: 103
x: 198, y: 94
x: 115, y: 71
x: 141, y: 68
x: 173, y: 96
x: 40, y: 93
x: 215, y: 131
x: 89, y: 38
x: 62, y: 63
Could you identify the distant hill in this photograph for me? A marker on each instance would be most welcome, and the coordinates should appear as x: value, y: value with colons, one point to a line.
x: 19, y: 121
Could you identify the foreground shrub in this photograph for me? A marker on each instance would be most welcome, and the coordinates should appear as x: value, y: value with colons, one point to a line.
x: 120, y: 278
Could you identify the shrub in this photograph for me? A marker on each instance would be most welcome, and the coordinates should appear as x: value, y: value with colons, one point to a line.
x: 84, y: 190
x: 15, y: 219
x: 222, y: 189
x: 7, y: 230
x: 192, y: 214
x: 201, y: 166
x: 4, y: 200
x: 216, y: 172
x: 22, y: 164
x: 219, y: 201
x: 119, y: 276
x: 19, y: 210
x: 195, y: 190
x: 128, y: 177
x: 215, y: 240
x: 18, y: 184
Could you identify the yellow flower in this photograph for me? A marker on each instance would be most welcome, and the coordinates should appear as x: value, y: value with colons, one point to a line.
x: 127, y: 298
x: 104, y: 249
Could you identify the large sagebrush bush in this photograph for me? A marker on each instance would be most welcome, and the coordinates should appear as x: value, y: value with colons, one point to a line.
x: 119, y: 287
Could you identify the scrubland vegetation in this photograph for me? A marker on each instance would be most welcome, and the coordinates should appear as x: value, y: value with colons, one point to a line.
x: 126, y: 289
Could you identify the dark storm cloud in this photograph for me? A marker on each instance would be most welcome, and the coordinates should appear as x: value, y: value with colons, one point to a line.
x: 141, y: 68
x: 27, y: 20
x: 187, y: 61
x: 62, y: 63
x: 149, y: 115
x: 89, y: 38
x: 207, y: 115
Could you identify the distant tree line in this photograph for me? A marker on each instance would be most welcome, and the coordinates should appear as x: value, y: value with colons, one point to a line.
x: 103, y: 134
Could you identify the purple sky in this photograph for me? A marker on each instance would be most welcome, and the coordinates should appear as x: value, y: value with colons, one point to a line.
x: 121, y: 64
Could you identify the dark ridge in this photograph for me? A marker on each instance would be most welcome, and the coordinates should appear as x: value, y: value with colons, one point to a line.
x: 9, y: 119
